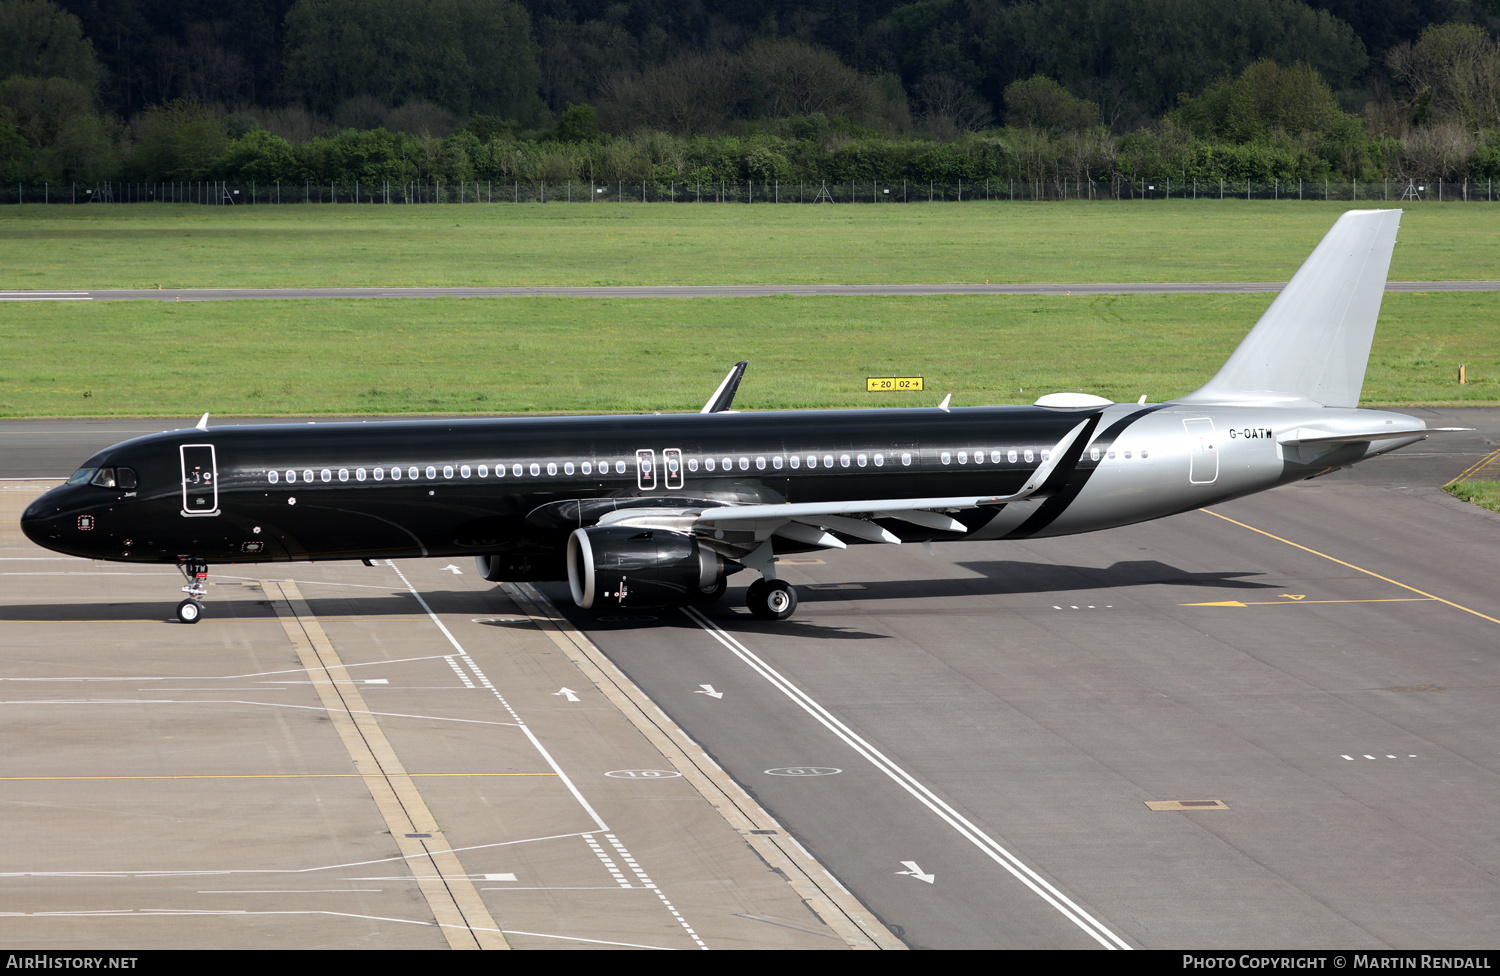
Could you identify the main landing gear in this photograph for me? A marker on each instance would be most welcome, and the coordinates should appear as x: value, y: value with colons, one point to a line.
x: 190, y: 611
x: 771, y: 599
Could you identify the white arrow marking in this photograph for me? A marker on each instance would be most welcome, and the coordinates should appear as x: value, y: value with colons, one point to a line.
x: 450, y: 568
x: 916, y: 872
x: 709, y: 691
x: 567, y: 693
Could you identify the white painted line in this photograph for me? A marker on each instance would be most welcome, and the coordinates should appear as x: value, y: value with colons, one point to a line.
x: 575, y: 938
x: 1044, y: 889
x: 535, y: 742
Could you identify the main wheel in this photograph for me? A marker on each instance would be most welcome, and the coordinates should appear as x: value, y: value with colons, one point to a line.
x: 190, y: 611
x: 771, y: 599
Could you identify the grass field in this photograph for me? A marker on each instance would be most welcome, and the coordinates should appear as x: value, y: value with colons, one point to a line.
x: 404, y: 356
x: 181, y: 246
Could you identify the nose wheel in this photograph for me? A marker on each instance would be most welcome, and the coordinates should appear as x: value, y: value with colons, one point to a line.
x: 190, y: 611
x: 771, y: 599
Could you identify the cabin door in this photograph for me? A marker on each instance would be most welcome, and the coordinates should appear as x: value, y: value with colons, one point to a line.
x: 645, y: 470
x: 1203, y: 459
x: 672, y: 471
x: 200, y: 480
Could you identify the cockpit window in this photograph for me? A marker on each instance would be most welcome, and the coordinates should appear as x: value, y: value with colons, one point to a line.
x: 108, y: 478
x: 82, y: 476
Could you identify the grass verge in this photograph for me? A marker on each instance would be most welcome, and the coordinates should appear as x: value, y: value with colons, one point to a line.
x: 520, y: 355
x: 185, y: 246
x: 1483, y: 493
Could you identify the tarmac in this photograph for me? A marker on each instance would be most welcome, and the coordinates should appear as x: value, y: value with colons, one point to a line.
x: 1271, y: 724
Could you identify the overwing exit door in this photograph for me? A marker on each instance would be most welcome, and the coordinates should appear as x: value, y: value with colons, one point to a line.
x: 200, y: 480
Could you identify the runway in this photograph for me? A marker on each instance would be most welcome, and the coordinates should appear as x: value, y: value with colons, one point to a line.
x: 703, y: 291
x: 970, y: 742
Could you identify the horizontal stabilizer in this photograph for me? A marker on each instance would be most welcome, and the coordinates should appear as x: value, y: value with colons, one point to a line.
x: 1310, y: 435
x: 1312, y: 345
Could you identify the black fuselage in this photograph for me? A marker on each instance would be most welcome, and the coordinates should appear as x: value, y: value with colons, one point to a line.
x: 516, y: 486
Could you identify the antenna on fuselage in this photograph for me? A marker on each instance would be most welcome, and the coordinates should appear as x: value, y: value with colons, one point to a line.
x: 944, y: 405
x: 202, y: 423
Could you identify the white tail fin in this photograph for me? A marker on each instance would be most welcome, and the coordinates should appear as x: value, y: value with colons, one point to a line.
x: 1313, y: 343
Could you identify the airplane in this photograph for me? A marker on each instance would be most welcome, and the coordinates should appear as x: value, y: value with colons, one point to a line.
x: 650, y: 512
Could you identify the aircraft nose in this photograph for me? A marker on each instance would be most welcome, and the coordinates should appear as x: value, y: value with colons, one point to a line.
x: 39, y: 520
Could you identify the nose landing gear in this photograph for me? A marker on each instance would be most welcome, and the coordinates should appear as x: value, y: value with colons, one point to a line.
x: 195, y: 571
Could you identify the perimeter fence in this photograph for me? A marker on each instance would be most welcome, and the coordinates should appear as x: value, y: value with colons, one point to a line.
x: 221, y: 193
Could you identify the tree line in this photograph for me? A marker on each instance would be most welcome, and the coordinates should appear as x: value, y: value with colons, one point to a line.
x: 642, y: 91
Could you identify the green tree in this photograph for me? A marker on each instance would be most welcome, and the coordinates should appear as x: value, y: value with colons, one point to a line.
x: 470, y: 56
x: 176, y: 141
x: 1452, y: 73
x: 578, y: 124
x: 1041, y: 103
x: 1263, y: 100
x: 39, y: 39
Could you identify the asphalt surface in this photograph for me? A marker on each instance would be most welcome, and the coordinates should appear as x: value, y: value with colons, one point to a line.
x: 703, y: 291
x: 1310, y: 670
x: 968, y: 741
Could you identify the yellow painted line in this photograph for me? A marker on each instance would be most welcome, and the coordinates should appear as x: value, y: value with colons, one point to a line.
x: 1357, y: 569
x: 25, y: 779
x: 1298, y: 603
x: 452, y: 898
x: 1493, y: 456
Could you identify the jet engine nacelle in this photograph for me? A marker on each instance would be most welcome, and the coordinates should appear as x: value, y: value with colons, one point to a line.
x: 641, y: 568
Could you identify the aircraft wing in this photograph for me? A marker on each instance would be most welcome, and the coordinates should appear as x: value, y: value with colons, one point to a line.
x: 724, y: 396
x: 813, y: 523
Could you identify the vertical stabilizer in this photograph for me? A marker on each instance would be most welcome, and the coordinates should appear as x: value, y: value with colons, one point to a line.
x: 1313, y: 343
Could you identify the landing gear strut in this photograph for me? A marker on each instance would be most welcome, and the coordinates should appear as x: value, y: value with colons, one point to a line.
x: 771, y: 599
x: 195, y: 571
